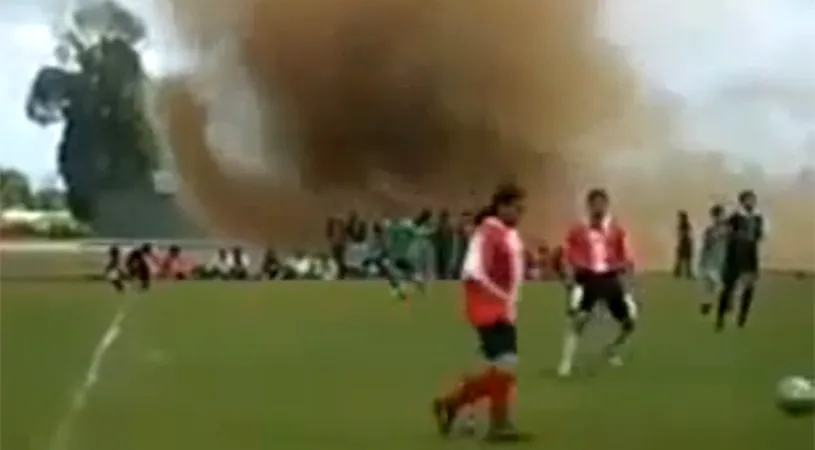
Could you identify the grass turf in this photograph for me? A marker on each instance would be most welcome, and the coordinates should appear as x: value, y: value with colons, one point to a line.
x: 302, y: 366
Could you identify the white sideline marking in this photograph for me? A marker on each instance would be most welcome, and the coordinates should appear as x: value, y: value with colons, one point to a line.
x: 62, y: 435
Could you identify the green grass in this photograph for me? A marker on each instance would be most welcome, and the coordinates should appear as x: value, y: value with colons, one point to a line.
x: 302, y: 366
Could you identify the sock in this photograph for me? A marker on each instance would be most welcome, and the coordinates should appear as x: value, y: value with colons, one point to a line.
x: 501, y: 391
x: 471, y: 389
x: 570, y: 344
x: 394, y: 283
x: 744, y: 307
x: 622, y: 337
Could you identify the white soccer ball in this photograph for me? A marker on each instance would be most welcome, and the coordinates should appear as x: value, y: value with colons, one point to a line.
x: 796, y: 395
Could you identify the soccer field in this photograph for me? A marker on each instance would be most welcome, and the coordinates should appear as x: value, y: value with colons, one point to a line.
x: 303, y: 366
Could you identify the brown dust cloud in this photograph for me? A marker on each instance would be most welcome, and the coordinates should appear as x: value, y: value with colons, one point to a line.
x: 296, y: 110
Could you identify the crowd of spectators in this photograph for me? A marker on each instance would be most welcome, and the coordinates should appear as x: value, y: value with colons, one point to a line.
x: 352, y: 244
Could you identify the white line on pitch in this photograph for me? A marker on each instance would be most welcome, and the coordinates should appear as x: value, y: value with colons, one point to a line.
x: 62, y: 435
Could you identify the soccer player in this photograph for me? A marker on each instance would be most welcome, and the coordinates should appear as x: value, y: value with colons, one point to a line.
x: 597, y: 264
x: 711, y: 259
x: 683, y: 266
x: 746, y: 229
x: 113, y: 269
x: 399, y: 261
x: 137, y: 266
x: 492, y: 276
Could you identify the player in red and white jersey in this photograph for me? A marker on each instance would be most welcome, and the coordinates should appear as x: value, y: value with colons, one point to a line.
x: 492, y: 276
x: 597, y: 264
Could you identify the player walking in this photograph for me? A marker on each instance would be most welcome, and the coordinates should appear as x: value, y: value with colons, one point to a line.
x: 597, y: 263
x: 711, y: 259
x: 746, y: 228
x: 492, y: 277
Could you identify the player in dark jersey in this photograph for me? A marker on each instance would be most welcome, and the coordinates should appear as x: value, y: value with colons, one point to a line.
x: 137, y: 266
x: 746, y: 229
x: 684, y: 246
x: 114, y: 272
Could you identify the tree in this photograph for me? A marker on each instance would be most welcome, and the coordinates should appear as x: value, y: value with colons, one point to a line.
x: 49, y: 199
x: 15, y: 189
x: 98, y: 92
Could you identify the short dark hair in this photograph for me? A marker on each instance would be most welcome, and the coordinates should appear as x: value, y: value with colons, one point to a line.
x: 716, y: 210
x: 596, y: 194
x: 745, y: 194
x: 424, y: 216
x: 506, y: 194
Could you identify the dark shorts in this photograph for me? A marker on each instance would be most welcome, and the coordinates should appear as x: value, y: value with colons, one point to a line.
x: 606, y: 288
x: 497, y: 340
x: 140, y: 275
x: 403, y: 265
x: 738, y: 266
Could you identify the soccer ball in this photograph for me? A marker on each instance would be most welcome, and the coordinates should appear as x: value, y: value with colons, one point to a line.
x: 796, y: 395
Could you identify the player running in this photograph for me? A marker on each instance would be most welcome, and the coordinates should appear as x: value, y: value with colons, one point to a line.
x: 711, y: 259
x: 133, y: 267
x: 400, y: 253
x: 746, y: 228
x: 492, y: 276
x: 597, y: 264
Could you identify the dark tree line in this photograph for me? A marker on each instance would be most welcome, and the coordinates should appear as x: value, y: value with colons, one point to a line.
x: 97, y: 92
x: 16, y: 191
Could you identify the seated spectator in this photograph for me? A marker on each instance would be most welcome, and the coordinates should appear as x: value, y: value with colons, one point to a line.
x: 151, y: 257
x: 326, y: 268
x: 216, y: 268
x: 239, y: 264
x: 303, y: 267
x: 270, y: 266
x: 175, y: 266
x: 299, y: 266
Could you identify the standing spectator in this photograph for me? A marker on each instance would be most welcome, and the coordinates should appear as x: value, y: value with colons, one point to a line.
x: 355, y: 230
x: 422, y: 253
x: 683, y: 266
x: 463, y: 230
x: 356, y: 248
x: 239, y: 264
x: 270, y: 267
x: 545, y: 261
x: 443, y: 240
x: 335, y: 233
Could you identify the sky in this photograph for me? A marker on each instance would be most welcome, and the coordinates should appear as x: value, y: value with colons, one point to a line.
x: 744, y: 72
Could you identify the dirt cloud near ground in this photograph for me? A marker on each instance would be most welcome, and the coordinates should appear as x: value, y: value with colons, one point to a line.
x: 300, y: 109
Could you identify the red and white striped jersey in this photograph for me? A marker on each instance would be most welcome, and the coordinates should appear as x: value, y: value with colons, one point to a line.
x: 493, y: 273
x: 596, y: 249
